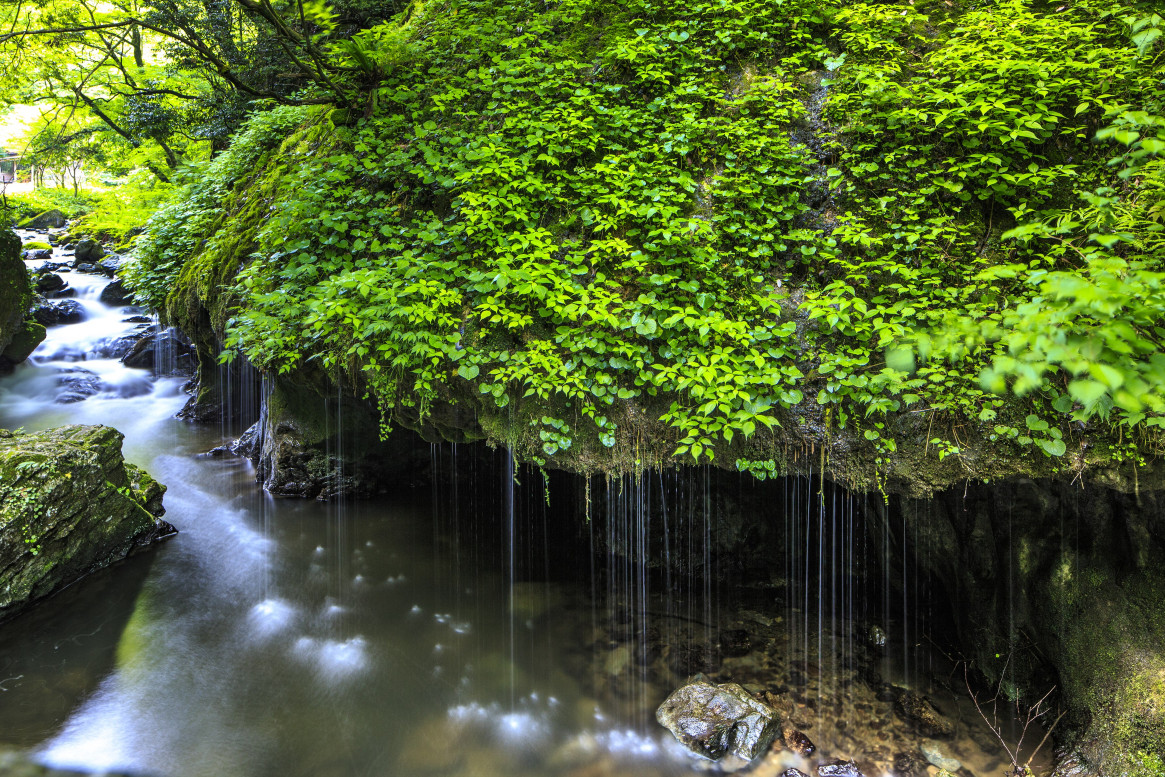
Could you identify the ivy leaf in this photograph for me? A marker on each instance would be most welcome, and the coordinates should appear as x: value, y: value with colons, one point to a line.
x: 1087, y: 392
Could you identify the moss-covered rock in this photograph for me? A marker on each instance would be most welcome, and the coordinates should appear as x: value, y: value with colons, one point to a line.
x: 24, y: 342
x: 49, y: 219
x: 1060, y: 587
x: 15, y: 291
x: 69, y: 505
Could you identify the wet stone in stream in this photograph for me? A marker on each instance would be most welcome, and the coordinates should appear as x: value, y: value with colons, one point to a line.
x: 715, y: 721
x: 76, y: 385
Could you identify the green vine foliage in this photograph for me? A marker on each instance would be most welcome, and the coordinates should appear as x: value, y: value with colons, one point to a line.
x: 687, y: 217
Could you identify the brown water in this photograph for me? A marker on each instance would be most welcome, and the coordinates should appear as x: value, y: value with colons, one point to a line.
x: 445, y: 632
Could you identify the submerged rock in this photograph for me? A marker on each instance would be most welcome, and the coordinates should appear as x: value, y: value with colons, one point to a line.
x: 15, y: 764
x: 917, y: 710
x: 797, y: 742
x: 718, y: 720
x: 735, y: 643
x: 77, y: 384
x: 69, y: 505
x: 936, y: 753
x: 909, y: 764
x: 691, y: 658
x: 839, y: 769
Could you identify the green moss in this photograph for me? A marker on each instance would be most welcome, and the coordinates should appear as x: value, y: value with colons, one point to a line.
x: 24, y: 341
x: 36, y: 245
x: 15, y: 291
x: 68, y: 506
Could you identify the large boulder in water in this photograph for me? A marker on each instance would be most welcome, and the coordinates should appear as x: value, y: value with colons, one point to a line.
x: 69, y: 505
x: 49, y: 313
x: 49, y: 281
x: 116, y: 295
x: 719, y: 720
x: 88, y: 251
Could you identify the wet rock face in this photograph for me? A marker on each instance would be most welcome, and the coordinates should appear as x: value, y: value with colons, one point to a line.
x: 306, y: 447
x: 166, y: 352
x: 69, y: 505
x: 1081, y: 573
x: 719, y: 720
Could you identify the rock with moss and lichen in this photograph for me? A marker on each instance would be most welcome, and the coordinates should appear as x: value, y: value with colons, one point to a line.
x: 69, y: 505
x: 19, y: 336
x: 49, y: 219
x: 15, y: 292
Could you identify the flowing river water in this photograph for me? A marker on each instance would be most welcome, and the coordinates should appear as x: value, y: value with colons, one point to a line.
x: 413, y: 635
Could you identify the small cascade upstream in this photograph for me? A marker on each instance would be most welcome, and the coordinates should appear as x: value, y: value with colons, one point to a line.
x: 508, y: 621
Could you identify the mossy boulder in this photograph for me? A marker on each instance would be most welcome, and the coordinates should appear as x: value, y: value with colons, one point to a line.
x: 15, y: 291
x: 69, y: 505
x: 24, y: 342
x: 49, y: 219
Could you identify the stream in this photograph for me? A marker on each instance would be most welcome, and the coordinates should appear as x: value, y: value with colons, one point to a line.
x: 436, y: 631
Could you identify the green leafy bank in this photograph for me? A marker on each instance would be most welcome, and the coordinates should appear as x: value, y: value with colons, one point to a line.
x: 879, y: 237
